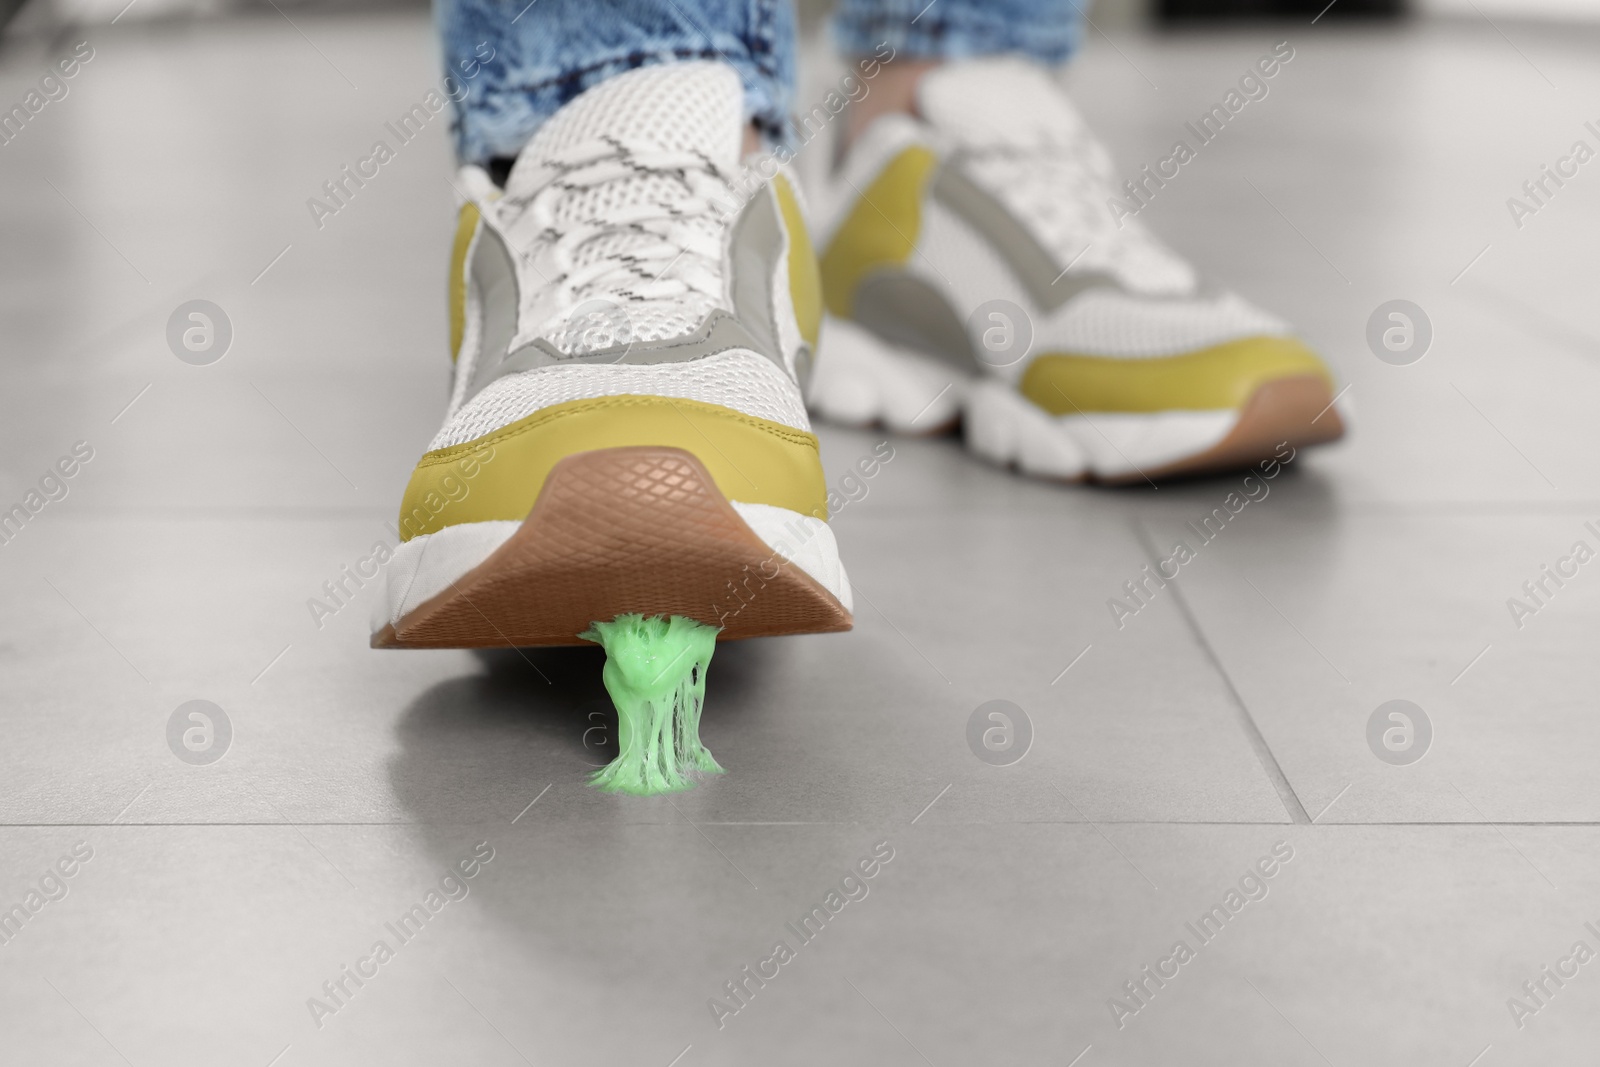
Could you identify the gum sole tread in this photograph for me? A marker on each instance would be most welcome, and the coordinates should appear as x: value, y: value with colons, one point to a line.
x: 614, y: 531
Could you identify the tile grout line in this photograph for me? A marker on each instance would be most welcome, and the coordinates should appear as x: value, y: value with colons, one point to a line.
x: 1269, y: 762
x: 1516, y: 313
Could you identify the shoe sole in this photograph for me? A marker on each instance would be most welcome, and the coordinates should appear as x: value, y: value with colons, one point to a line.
x: 862, y: 381
x: 865, y: 381
x: 616, y: 531
x: 1297, y: 412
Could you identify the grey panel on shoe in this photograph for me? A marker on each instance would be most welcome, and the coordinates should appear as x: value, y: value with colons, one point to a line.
x: 754, y: 250
x: 758, y: 250
x: 718, y: 332
x: 495, y: 278
x: 1033, y: 265
x: 905, y: 310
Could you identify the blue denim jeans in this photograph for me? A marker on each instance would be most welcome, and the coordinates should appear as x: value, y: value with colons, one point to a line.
x: 511, y: 64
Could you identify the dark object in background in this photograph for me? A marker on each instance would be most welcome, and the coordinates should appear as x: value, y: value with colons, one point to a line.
x: 1169, y: 12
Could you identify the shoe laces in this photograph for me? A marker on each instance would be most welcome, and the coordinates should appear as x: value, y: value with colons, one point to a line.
x: 628, y: 223
x: 1060, y: 187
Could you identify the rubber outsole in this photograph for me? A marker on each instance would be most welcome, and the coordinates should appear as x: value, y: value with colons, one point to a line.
x: 869, y: 381
x: 614, y: 531
x: 862, y: 381
x: 1007, y: 429
x: 1297, y: 412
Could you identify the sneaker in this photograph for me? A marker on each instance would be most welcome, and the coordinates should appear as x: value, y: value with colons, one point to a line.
x: 975, y: 270
x: 631, y: 318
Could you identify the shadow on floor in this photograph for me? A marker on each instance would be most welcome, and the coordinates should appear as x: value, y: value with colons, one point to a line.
x: 476, y: 749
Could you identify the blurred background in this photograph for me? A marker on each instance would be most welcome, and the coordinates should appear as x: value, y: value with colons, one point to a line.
x: 42, y: 13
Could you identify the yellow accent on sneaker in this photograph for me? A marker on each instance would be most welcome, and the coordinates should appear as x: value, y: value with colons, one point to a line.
x: 1222, y: 376
x: 805, y: 282
x: 881, y: 229
x: 499, y: 475
x: 466, y: 229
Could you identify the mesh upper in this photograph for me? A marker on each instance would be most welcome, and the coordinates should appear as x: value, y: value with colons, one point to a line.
x: 1096, y: 322
x: 1046, y: 167
x: 636, y: 321
x: 676, y: 107
x: 681, y: 107
x: 1041, y: 163
x: 738, y: 379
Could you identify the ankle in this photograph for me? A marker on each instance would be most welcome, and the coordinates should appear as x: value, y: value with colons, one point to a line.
x: 894, y: 90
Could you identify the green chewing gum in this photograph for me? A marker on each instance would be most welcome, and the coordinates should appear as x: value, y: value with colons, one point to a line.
x: 656, y: 674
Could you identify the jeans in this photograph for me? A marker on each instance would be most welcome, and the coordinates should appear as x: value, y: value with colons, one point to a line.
x: 511, y: 64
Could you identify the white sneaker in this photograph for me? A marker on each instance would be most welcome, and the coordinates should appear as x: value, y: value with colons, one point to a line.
x: 630, y: 321
x: 974, y: 268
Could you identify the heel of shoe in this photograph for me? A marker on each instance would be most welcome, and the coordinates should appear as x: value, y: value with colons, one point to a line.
x: 639, y: 530
x: 862, y: 380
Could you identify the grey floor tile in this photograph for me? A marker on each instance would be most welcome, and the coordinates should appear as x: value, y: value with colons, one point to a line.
x: 141, y: 614
x: 996, y: 944
x: 1319, y: 619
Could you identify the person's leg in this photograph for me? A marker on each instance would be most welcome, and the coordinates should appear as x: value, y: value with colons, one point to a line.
x: 512, y: 64
x: 1047, y: 30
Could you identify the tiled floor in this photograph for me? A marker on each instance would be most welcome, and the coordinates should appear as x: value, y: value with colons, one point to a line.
x: 1223, y: 721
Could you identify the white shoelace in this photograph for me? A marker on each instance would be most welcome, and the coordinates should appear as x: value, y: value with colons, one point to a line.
x: 1061, y: 191
x: 624, y: 222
